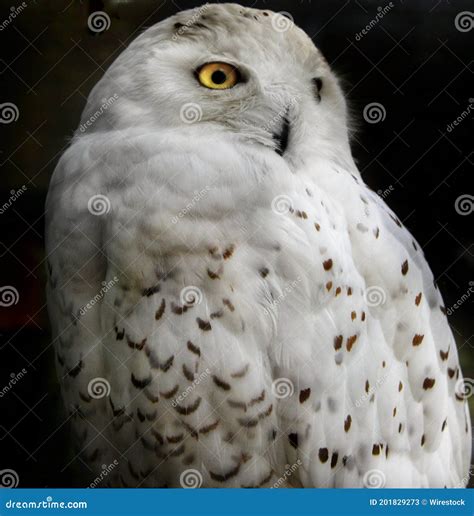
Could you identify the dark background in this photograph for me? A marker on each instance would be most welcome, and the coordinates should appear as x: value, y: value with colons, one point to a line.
x: 414, y: 62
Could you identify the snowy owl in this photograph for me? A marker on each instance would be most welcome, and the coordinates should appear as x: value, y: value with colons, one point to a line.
x: 231, y: 305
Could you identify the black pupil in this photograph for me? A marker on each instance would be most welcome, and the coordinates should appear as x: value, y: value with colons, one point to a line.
x: 218, y: 77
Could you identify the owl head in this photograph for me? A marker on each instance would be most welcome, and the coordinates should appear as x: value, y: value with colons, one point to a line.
x: 228, y: 70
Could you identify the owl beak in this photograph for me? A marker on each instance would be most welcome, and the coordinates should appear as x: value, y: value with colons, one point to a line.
x: 281, y: 139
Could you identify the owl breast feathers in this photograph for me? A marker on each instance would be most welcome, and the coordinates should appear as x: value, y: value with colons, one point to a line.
x: 231, y: 305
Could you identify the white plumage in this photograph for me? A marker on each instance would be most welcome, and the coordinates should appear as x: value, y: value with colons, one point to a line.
x: 260, y: 315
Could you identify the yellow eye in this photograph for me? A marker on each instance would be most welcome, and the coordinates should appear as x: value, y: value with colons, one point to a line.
x: 218, y: 76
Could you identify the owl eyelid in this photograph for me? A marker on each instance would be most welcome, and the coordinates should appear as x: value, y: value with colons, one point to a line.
x: 217, y: 61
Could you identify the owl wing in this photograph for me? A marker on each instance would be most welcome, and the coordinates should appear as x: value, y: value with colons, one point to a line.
x: 76, y: 270
x: 434, y: 374
x: 160, y: 365
x: 383, y: 403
